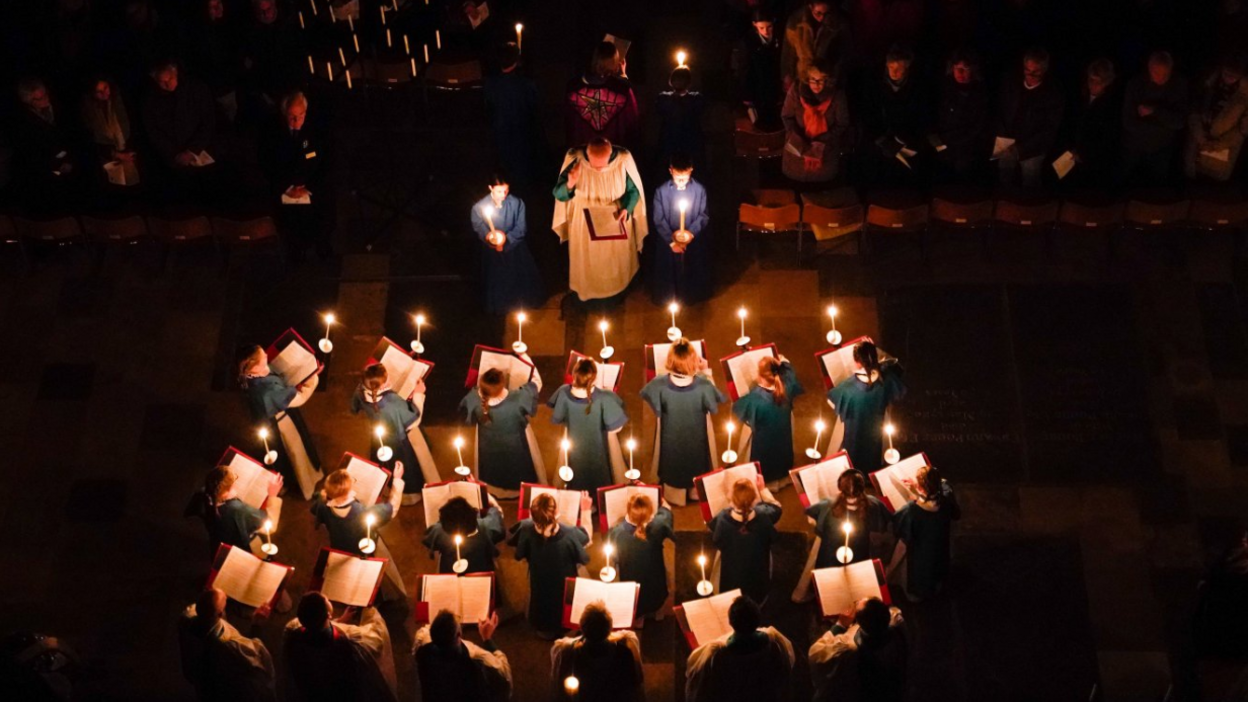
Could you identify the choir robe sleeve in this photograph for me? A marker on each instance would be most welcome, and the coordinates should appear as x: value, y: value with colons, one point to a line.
x: 746, y: 409
x: 517, y: 226
x: 792, y: 387
x: 579, y: 539
x: 562, y: 192
x: 492, y: 525
x: 652, y: 394
x: 526, y: 395
x: 712, y: 396
x: 613, y: 414
x: 519, y: 539
x: 470, y: 407
x: 661, y: 527
x: 663, y: 210
x: 769, y: 510
x: 558, y: 404
x: 697, y: 217
x: 631, y: 196
x: 357, y: 401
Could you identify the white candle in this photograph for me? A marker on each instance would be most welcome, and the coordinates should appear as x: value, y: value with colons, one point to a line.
x: 348, y: 74
x: 355, y: 39
x: 819, y: 427
x: 268, y: 532
x: 519, y: 37
x: 673, y: 308
x: 264, y: 436
x: 848, y: 528
x: 329, y: 322
x: 459, y: 449
x: 380, y: 431
x: 388, y: 42
x: 437, y: 37
x: 413, y: 68
x: 407, y: 47
x: 602, y: 327
x: 426, y: 53
x: 520, y: 317
x: 832, y: 314
x: 632, y: 446
x: 419, y: 318
x: 329, y: 69
x: 459, y: 540
x: 313, y: 4
x: 680, y: 58
x: 367, y: 545
x: 488, y: 211
x: 731, y: 427
x: 702, y: 564
x: 301, y: 24
x: 564, y: 445
x: 889, y: 429
x: 383, y: 15
x: 608, y: 549
x: 351, y: 24
x: 342, y: 56
x: 741, y: 313
x: 311, y: 67
x: 683, y: 206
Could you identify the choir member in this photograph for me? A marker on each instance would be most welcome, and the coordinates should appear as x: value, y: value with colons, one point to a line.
x: 228, y: 519
x: 767, y: 409
x: 744, y: 533
x: 401, y: 419
x: 277, y: 404
x: 862, y: 657
x: 331, y: 660
x: 816, y: 121
x: 593, y: 417
x: 1219, y: 121
x: 480, y: 535
x: 683, y: 400
x: 925, y: 526
x: 507, y: 267
x: 682, y: 258
x: 451, y: 668
x: 1154, y: 111
x: 861, y: 402
x: 865, y: 512
x: 222, y: 663
x: 554, y: 551
x: 345, y: 518
x: 752, y: 663
x: 638, y: 541
x: 506, y: 450
x: 680, y: 119
x: 606, y: 664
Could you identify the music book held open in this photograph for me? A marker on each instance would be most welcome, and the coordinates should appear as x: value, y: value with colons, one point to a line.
x: 245, y: 578
x: 620, y: 599
x: 817, y: 481
x: 890, y: 483
x: 569, y: 502
x: 253, y: 479
x: 347, y: 578
x: 603, y: 225
x: 836, y: 365
x: 613, y: 501
x: 402, y: 370
x: 370, y: 478
x: 741, y: 368
x: 656, y: 357
x: 470, y: 597
x: 621, y: 44
x: 434, y: 495
x: 839, y: 587
x: 608, y: 373
x: 716, y: 487
x: 484, y: 358
x: 292, y: 358
x: 705, y: 619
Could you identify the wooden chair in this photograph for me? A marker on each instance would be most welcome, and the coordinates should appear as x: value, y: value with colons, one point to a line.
x: 770, y: 211
x: 1089, y: 217
x: 177, y: 230
x: 453, y: 76
x: 833, y: 214
x: 124, y: 229
x: 1215, y: 215
x: 898, y: 215
x: 9, y: 235
x: 60, y: 230
x: 960, y: 212
x: 244, y: 231
x: 1141, y: 215
x: 749, y: 142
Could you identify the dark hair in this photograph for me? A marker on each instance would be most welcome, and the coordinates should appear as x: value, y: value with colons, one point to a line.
x: 851, y: 483
x: 929, y: 480
x: 313, y: 610
x: 492, y: 380
x: 457, y: 516
x: 543, y: 510
x: 375, y: 376
x: 605, y: 60
x: 680, y: 78
x: 744, y: 615
x: 967, y: 56
x: 595, y: 622
x: 246, y: 359
x: 498, y: 178
x: 1038, y: 54
x: 164, y: 63
x: 825, y: 67
x: 509, y: 56
x: 218, y: 481
x: 762, y: 14
x: 680, y: 162
x: 899, y: 52
x: 583, y: 375
x: 866, y: 354
x: 873, y: 616
x: 444, y: 629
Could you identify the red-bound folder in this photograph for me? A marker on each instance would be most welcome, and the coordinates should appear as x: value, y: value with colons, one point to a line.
x: 322, y: 560
x: 652, y: 370
x: 569, y: 593
x: 252, y: 495
x: 742, y: 470
x: 604, y: 515
x: 890, y: 502
x: 219, y: 560
x: 424, y: 616
x: 764, y: 350
x: 384, y: 345
x: 885, y: 596
x: 823, y: 370
x: 514, y: 362
x: 575, y: 356
x: 794, y: 475
x: 282, y: 342
x: 369, y: 487
x: 615, y: 233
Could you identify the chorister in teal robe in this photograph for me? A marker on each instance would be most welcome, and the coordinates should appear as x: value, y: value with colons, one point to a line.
x: 875, y: 519
x: 684, y: 447
x: 269, y: 400
x: 479, y: 548
x: 926, y: 529
x: 552, y: 560
x: 503, y: 456
x: 862, y: 406
x: 397, y: 415
x: 641, y: 560
x: 771, y: 425
x: 589, y: 420
x: 745, y: 549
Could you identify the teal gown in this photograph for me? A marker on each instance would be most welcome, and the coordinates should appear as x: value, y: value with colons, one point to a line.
x: 862, y: 406
x: 745, y: 550
x: 268, y: 397
x: 397, y: 415
x: 828, y: 529
x: 503, y: 458
x: 551, y: 562
x: 479, y: 549
x: 772, y: 425
x: 589, y: 457
x: 926, y: 535
x: 642, y: 561
x: 684, y: 449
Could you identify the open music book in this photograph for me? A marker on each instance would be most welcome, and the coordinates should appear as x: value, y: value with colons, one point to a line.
x: 434, y: 495
x: 621, y: 44
x: 613, y: 502
x: 569, y: 502
x: 253, y: 479
x: 347, y: 578
x: 602, y: 223
x: 370, y: 478
x: 741, y: 368
x: 839, y: 587
x: 245, y: 578
x: 292, y: 358
x: 620, y: 599
x: 705, y: 619
x: 484, y: 358
x: 890, y: 483
x: 716, y: 487
x: 656, y: 357
x: 608, y: 373
x: 403, y: 370
x: 836, y: 365
x: 470, y: 597
x: 817, y: 481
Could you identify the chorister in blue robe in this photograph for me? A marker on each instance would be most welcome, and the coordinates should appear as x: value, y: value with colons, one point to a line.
x: 871, y: 517
x: 685, y: 276
x: 234, y: 522
x: 861, y: 405
x: 269, y: 398
x: 398, y: 416
x: 745, y: 549
x: 552, y: 560
x: 641, y: 560
x: 926, y: 527
x: 345, y: 523
x: 589, y: 421
x: 684, y: 445
x: 479, y: 548
x: 510, y: 276
x: 503, y: 456
x: 771, y: 424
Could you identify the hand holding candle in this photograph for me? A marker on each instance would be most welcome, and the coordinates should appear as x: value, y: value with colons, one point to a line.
x: 520, y: 346
x: 834, y: 336
x: 729, y: 456
x: 325, y: 344
x: 607, y: 350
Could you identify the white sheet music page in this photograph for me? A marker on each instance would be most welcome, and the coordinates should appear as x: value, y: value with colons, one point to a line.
x: 660, y: 352
x: 437, y: 495
x: 608, y: 376
x: 718, y: 485
x: 616, y: 501
x: 839, y: 364
x: 247, y: 579
x: 403, y: 370
x: 619, y: 598
x: 441, y: 592
x: 294, y: 363
x: 351, y: 580
x: 743, y: 369
x: 369, y: 480
x: 819, y: 480
x: 517, y: 371
x: 474, y: 599
x: 569, y: 502
x: 708, y: 617
x: 840, y: 587
x: 892, y: 479
x: 252, y: 485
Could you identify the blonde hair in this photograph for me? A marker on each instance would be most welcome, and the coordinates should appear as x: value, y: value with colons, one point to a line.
x: 683, y: 358
x: 744, y: 494
x: 251, y: 360
x: 640, y: 512
x: 218, y: 482
x: 338, y: 484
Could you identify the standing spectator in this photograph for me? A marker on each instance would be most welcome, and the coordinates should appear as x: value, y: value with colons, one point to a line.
x: 680, y: 120
x: 816, y: 117
x: 600, y: 104
x: 1219, y: 123
x: 215, y: 54
x: 1094, y: 128
x: 925, y: 526
x: 606, y: 664
x: 752, y: 663
x: 180, y: 123
x: 1154, y: 110
x: 107, y: 121
x: 960, y: 134
x: 296, y: 154
x: 331, y: 660
x: 816, y: 31
x: 511, y: 104
x: 894, y: 122
x: 863, y: 657
x: 453, y: 669
x: 222, y: 663
x: 1029, y: 113
x: 47, y: 160
x: 758, y: 71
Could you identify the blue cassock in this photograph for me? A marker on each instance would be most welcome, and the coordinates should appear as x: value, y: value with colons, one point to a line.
x: 510, y: 276
x: 684, y: 277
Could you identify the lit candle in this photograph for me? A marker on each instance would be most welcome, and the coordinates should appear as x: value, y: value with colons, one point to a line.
x: 834, y: 336
x: 680, y: 58
x: 437, y: 37
x: 741, y: 314
x: 367, y: 545
x: 683, y: 206
x: 702, y: 564
x: 889, y: 429
x: 519, y: 37
x: 342, y: 56
x: 407, y: 47
x: 813, y: 452
x: 729, y: 456
x: 848, y: 555
x: 311, y: 67
x: 488, y: 211
x: 329, y: 69
x: 383, y: 15
x: 417, y: 346
x: 891, y: 456
x: 607, y: 349
x: 461, y: 469
x: 731, y: 426
x: 348, y: 75
x: 673, y: 308
x: 326, y: 345
x: 268, y: 548
x: 351, y: 24
x: 264, y: 436
x: 301, y: 24
x: 460, y: 565
x: 355, y: 39
x: 388, y: 42
x: 313, y: 4
x: 384, y: 453
x: 705, y: 587
x: 607, y: 574
x: 632, y: 472
x: 570, y: 684
x: 426, y: 53
x: 459, y: 540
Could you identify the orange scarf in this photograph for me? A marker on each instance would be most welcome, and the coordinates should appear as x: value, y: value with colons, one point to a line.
x: 815, y: 118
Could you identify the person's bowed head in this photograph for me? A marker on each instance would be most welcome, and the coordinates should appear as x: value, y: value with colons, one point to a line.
x: 499, y: 190
x: 598, y: 156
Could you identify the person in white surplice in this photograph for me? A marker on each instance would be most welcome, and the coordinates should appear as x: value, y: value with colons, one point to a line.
x: 601, y: 214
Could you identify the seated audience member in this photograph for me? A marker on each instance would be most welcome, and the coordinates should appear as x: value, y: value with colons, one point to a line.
x: 894, y: 123
x: 180, y: 123
x: 960, y: 134
x: 48, y: 164
x: 758, y: 71
x: 216, y: 55
x: 330, y: 660
x: 600, y: 104
x: 511, y: 104
x: 1029, y: 112
x: 1093, y: 129
x: 816, y: 31
x: 107, y: 122
x: 222, y: 663
x: 752, y: 663
x: 296, y: 155
x: 453, y: 669
x: 863, y: 656
x: 606, y: 664
x: 680, y: 120
x: 1219, y: 123
x: 1154, y: 111
x: 816, y: 119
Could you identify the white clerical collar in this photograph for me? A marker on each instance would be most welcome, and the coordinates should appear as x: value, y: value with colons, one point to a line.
x: 496, y: 401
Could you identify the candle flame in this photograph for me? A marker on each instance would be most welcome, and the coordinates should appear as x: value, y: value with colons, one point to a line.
x: 571, y: 684
x: 673, y: 308
x: 701, y: 559
x: 370, y: 519
x: 268, y: 525
x: 264, y: 432
x: 741, y: 313
x: 459, y: 442
x: 889, y: 429
x: 565, y: 444
x: 683, y: 205
x: 519, y: 27
x: 680, y: 58
x: 458, y: 539
x: 631, y: 444
x: 329, y: 317
x: 420, y: 319
x: 379, y: 430
x: 832, y: 310
x: 847, y: 527
x: 730, y: 426
x: 489, y: 210
x: 521, y: 317
x: 608, y: 549
x: 819, y: 425
x: 603, y: 326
